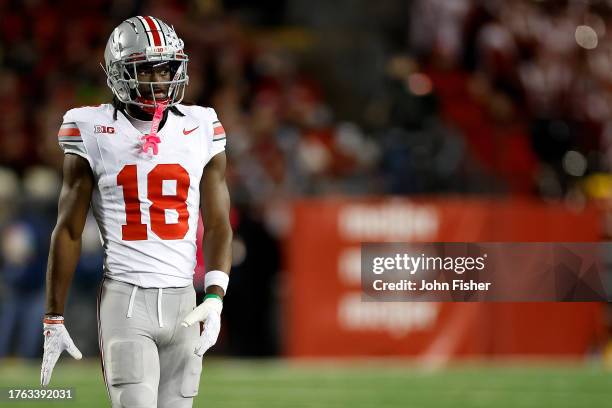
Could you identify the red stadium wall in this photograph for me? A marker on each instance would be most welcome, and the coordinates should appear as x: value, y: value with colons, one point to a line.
x: 326, y: 317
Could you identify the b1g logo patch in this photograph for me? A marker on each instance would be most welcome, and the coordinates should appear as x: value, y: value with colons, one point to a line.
x: 104, y: 129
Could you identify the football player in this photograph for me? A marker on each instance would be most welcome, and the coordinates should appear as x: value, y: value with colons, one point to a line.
x: 147, y: 165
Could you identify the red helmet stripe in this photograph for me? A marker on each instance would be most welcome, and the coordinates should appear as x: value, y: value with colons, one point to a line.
x: 154, y: 31
x: 158, y: 24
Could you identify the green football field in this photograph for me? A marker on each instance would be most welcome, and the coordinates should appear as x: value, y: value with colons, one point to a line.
x: 278, y: 383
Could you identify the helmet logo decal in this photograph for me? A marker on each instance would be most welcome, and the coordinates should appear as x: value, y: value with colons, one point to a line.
x: 116, y: 46
x: 133, y: 24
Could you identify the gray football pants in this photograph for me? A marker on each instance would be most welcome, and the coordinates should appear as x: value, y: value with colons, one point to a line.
x: 148, y: 358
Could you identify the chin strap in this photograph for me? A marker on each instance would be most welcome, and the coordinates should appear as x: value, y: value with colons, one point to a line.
x: 151, y: 139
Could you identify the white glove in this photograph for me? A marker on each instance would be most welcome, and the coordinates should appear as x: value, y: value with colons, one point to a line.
x: 57, y: 340
x: 208, y: 312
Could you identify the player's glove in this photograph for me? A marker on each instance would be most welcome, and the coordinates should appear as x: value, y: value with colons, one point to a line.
x: 208, y: 312
x: 57, y: 340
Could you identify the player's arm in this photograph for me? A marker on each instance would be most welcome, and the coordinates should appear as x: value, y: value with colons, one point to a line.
x: 65, y: 248
x: 64, y: 254
x: 215, y: 206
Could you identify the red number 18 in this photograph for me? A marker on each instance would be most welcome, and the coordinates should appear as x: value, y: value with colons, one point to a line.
x: 134, y: 229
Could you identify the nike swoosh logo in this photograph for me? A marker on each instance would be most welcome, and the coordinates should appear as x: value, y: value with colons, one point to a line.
x: 186, y: 132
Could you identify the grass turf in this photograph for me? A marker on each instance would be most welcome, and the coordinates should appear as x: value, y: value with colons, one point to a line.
x: 278, y: 383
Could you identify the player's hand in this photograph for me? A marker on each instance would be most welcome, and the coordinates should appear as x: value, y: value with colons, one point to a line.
x: 208, y: 312
x: 57, y: 340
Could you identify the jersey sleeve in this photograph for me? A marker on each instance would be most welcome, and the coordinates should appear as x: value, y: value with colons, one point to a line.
x: 70, y: 139
x: 218, y: 134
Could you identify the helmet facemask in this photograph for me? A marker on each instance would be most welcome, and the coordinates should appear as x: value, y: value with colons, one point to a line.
x: 126, y: 85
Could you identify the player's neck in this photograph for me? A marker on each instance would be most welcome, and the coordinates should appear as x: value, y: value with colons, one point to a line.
x: 137, y: 113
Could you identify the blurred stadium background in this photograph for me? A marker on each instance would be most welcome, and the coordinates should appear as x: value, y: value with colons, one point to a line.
x: 347, y: 121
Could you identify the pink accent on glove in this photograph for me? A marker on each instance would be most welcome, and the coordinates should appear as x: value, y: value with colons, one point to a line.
x: 151, y: 139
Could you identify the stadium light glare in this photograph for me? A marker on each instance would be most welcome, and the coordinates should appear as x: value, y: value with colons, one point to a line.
x: 586, y: 37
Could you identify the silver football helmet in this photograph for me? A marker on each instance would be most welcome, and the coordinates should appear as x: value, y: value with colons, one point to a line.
x: 140, y: 40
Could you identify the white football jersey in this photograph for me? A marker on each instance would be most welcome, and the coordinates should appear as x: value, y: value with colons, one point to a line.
x: 147, y: 206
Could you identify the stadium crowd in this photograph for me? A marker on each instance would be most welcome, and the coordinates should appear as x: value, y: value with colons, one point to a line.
x: 464, y: 96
